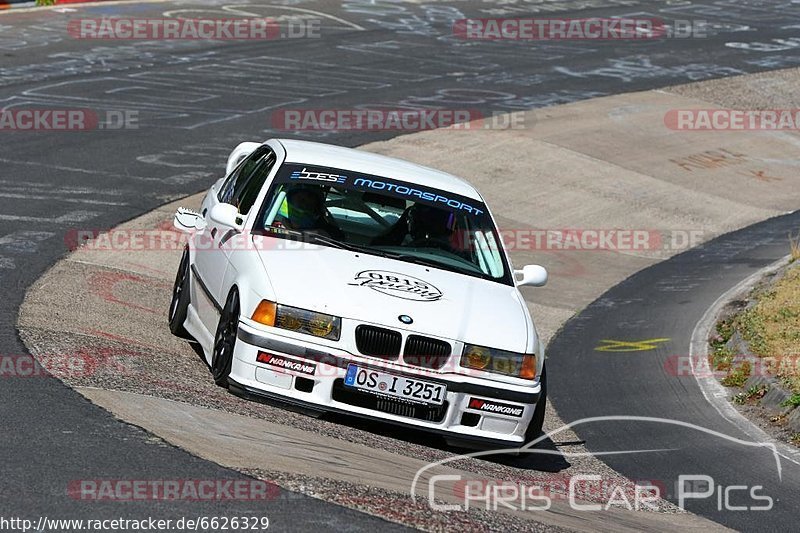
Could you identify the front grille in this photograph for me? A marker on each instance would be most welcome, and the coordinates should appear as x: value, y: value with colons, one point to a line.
x: 378, y: 342
x: 426, y: 352
x: 429, y: 413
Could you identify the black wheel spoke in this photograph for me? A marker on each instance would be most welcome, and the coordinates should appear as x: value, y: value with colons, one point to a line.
x: 225, y: 341
x: 179, y: 305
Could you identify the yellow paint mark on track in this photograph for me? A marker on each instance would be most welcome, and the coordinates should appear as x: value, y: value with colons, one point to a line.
x: 611, y: 345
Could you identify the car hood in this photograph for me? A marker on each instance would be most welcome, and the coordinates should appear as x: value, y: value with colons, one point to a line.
x: 379, y: 290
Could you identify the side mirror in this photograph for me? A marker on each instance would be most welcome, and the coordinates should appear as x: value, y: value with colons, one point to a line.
x: 187, y: 220
x: 226, y: 215
x: 532, y: 275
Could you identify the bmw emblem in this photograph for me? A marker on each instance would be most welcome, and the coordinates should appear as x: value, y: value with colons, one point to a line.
x: 405, y: 319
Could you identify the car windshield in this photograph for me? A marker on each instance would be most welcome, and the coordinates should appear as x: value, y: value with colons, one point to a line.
x: 385, y: 217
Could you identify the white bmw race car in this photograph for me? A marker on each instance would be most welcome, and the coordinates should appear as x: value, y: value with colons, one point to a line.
x: 338, y: 280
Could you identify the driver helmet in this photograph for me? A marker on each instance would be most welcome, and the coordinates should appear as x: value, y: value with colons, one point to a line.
x: 303, y: 206
x: 428, y: 222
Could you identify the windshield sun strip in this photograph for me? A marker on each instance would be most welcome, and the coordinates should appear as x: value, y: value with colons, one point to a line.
x: 490, y: 262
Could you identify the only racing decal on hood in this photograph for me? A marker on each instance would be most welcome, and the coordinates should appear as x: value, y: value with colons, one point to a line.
x: 397, y: 285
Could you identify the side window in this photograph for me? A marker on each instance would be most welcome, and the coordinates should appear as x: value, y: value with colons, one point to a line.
x: 239, y: 174
x: 253, y: 185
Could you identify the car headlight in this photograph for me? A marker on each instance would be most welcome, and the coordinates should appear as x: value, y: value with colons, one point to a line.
x: 519, y: 365
x: 299, y: 320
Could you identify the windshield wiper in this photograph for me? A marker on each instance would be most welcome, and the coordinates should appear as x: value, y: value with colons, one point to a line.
x: 435, y: 264
x: 341, y: 244
x: 410, y: 258
x: 414, y: 259
x: 309, y: 236
x: 330, y: 241
x: 367, y: 250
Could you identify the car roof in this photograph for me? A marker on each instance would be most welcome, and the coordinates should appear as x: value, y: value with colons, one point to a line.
x: 328, y: 155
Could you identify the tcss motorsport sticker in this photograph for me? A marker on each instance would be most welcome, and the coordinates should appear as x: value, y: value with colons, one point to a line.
x: 397, y: 285
x: 306, y: 174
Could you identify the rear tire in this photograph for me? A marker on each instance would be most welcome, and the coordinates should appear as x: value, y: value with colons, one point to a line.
x: 225, y: 340
x: 179, y: 306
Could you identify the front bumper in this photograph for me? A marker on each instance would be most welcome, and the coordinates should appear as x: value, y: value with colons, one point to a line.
x: 311, y: 377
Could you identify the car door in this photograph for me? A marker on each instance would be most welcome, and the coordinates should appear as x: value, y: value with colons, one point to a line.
x: 237, y: 246
x: 211, y: 251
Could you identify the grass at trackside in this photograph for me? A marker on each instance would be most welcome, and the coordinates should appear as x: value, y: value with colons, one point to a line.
x: 771, y: 327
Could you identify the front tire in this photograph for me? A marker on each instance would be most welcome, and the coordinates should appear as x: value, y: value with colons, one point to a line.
x: 537, y: 422
x: 225, y: 340
x: 179, y: 306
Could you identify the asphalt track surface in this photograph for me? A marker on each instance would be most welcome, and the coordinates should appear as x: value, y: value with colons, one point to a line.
x: 666, y: 301
x: 195, y: 100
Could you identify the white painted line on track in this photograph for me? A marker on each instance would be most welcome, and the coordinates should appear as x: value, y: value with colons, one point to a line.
x: 75, y: 169
x: 71, y: 216
x: 91, y: 201
x: 89, y: 3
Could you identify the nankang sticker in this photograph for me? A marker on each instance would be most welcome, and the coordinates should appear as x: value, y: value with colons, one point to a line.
x: 495, y: 407
x: 317, y: 176
x: 397, y: 285
x: 287, y: 363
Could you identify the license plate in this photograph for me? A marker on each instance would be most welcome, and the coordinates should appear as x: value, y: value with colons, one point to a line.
x: 397, y: 386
